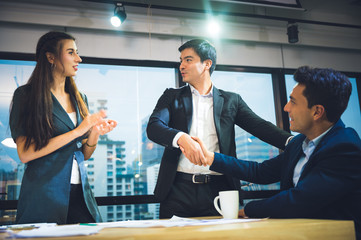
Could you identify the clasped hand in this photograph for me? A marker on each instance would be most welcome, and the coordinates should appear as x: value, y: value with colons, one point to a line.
x: 97, y: 123
x: 105, y: 126
x: 195, y: 150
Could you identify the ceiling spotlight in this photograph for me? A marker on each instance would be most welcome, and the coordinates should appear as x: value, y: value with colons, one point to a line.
x: 119, y: 15
x: 214, y: 27
x: 292, y: 32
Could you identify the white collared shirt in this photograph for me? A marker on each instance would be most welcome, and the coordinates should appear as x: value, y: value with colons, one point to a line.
x: 75, y: 174
x: 202, y: 126
x: 308, y: 147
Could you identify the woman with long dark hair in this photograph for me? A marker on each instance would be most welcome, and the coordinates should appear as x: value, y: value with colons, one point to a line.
x: 54, y: 134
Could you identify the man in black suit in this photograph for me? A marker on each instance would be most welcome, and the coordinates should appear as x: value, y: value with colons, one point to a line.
x: 199, y: 109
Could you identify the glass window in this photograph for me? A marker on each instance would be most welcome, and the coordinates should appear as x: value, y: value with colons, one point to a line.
x: 12, y: 75
x: 257, y: 91
x: 352, y: 115
x: 128, y: 93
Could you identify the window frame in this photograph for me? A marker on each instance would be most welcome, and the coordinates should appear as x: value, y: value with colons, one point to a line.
x: 280, y: 99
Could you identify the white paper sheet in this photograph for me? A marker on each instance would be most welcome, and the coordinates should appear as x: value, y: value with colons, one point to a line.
x: 173, y: 222
x: 59, y: 231
x: 133, y: 224
x: 89, y: 229
x: 26, y: 225
x: 197, y: 222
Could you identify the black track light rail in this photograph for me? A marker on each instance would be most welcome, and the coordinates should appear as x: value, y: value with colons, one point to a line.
x: 247, y: 15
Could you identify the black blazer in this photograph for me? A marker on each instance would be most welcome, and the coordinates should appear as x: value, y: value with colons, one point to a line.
x: 173, y: 113
x: 45, y: 188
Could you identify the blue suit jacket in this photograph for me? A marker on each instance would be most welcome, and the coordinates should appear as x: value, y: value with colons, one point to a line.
x: 45, y: 188
x: 173, y: 113
x: 329, y: 186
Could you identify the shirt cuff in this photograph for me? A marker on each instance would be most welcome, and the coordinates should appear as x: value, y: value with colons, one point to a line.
x: 288, y: 140
x: 175, y: 139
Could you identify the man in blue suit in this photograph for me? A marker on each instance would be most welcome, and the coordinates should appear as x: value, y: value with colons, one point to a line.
x: 199, y: 109
x: 320, y: 169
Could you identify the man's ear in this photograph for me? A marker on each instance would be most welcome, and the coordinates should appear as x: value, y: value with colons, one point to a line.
x: 319, y: 112
x: 208, y: 63
x: 50, y: 57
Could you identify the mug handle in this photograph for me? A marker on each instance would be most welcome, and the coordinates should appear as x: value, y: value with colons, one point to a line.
x: 215, y: 202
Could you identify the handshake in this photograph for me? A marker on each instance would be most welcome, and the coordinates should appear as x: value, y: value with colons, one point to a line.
x: 195, y: 151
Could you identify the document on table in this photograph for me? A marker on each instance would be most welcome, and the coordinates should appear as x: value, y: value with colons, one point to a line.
x: 58, y: 231
x: 195, y: 222
x: 173, y: 222
x: 26, y: 226
x: 89, y: 229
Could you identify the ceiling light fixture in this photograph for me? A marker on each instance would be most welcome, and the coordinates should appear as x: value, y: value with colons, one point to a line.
x: 214, y: 27
x: 119, y: 15
x: 292, y: 32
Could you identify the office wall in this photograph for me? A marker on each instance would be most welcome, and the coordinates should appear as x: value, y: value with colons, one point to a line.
x: 152, y: 34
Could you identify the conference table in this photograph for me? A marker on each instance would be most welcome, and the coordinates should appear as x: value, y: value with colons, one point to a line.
x: 256, y: 230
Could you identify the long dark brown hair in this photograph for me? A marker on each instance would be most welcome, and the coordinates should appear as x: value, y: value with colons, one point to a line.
x: 36, y: 116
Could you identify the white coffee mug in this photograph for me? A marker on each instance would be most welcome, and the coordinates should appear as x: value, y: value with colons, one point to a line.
x: 229, y: 204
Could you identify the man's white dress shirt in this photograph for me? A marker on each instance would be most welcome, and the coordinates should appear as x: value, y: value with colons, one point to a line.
x: 202, y: 126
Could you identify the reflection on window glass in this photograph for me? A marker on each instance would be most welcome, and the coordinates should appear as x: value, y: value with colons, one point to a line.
x: 257, y: 91
x: 352, y: 115
x: 125, y: 161
x: 12, y: 75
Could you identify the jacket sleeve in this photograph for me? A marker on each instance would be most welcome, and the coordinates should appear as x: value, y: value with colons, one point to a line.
x: 266, y: 172
x: 158, y: 128
x: 332, y: 175
x: 258, y: 127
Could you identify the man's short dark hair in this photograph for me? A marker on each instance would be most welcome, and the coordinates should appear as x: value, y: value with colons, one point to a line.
x: 325, y: 87
x: 204, y: 49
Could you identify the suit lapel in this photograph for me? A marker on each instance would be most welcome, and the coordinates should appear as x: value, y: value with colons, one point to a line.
x: 217, y: 108
x: 188, y: 107
x: 294, y: 156
x: 61, y: 115
x: 321, y: 144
